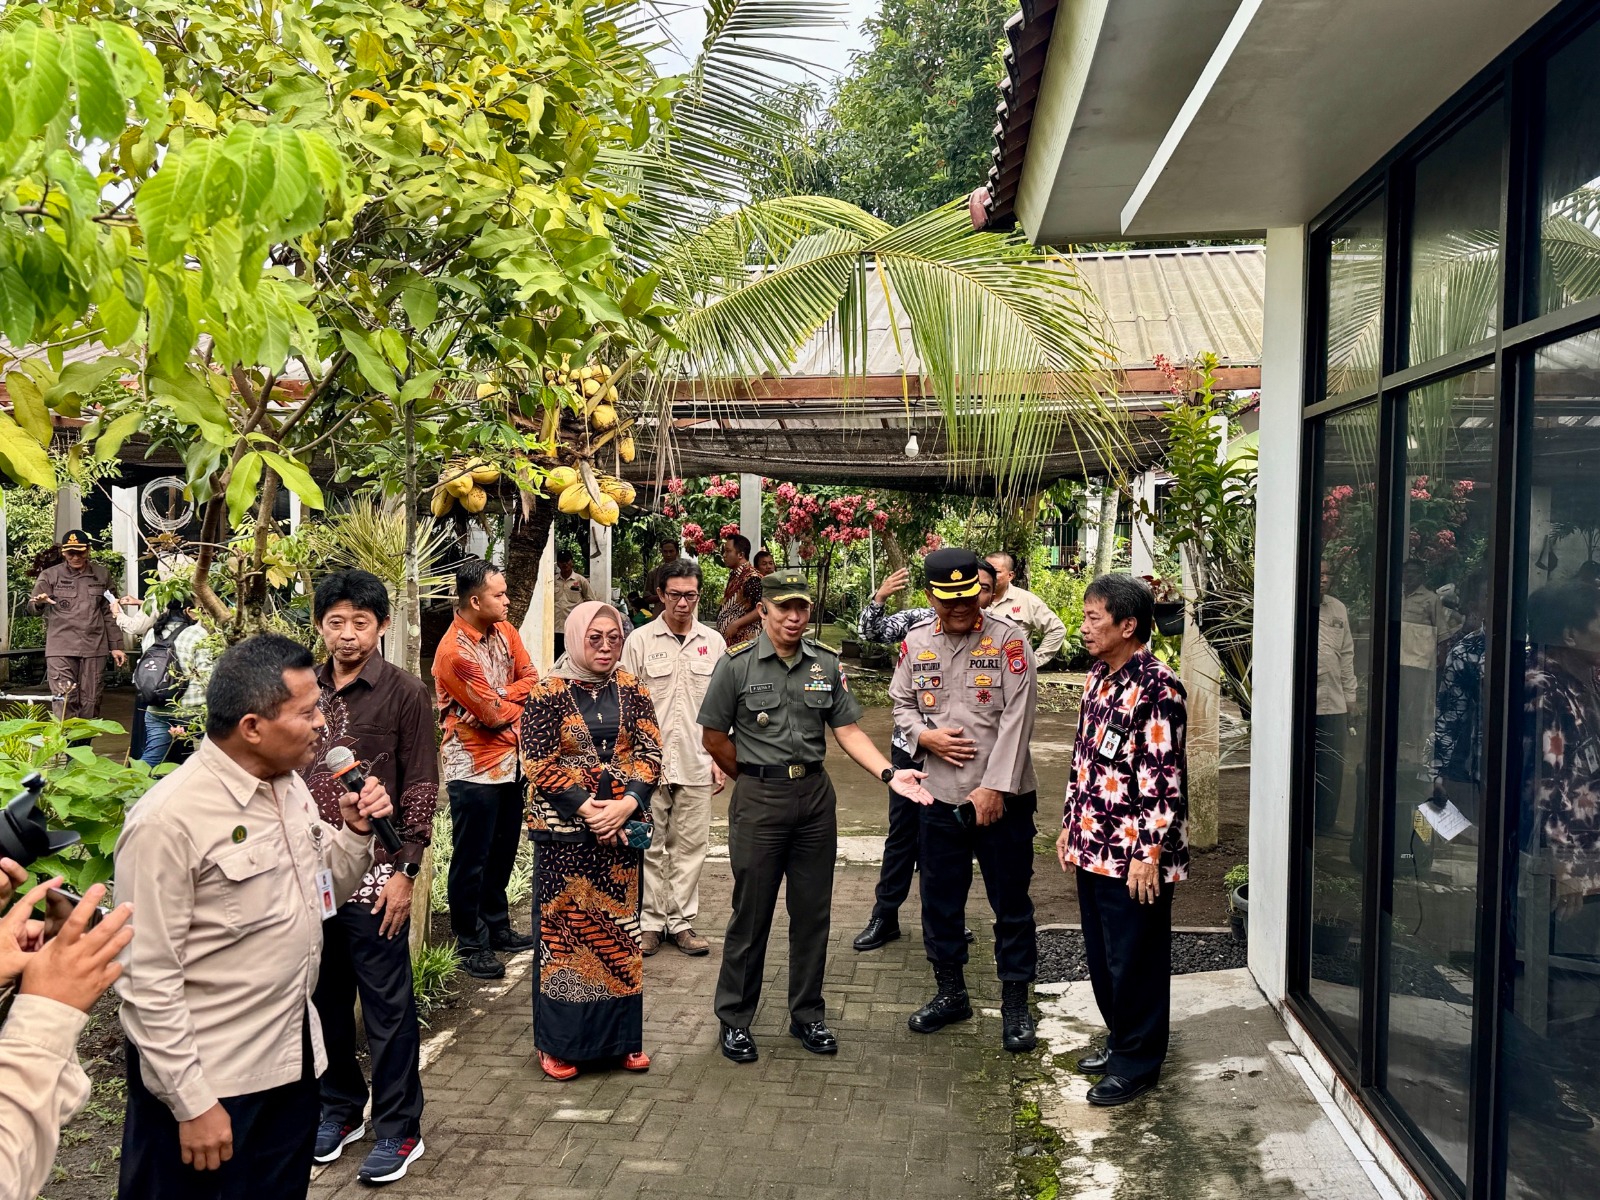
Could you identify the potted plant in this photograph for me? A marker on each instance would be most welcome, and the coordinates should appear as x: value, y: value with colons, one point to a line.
x: 1237, y: 881
x: 1169, y: 604
x: 1332, y: 926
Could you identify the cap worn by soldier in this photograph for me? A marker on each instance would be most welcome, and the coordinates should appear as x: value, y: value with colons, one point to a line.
x: 952, y: 574
x: 785, y: 585
x: 76, y: 539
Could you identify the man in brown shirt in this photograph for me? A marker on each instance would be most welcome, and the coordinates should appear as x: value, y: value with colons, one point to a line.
x: 385, y: 717
x: 232, y: 874
x: 80, y: 626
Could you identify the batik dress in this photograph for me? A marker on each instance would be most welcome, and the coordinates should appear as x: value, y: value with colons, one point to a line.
x: 582, y: 741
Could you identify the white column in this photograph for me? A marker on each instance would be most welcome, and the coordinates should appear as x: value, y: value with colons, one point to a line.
x: 1090, y: 523
x: 1142, y: 546
x: 1277, y: 552
x: 600, y: 560
x: 125, y: 535
x: 294, y: 512
x: 750, y: 510
x: 69, y: 510
x: 539, y: 626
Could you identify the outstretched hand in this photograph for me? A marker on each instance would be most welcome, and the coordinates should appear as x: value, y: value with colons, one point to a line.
x: 908, y: 782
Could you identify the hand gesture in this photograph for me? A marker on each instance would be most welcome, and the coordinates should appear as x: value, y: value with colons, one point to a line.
x: 896, y: 581
x: 120, y: 657
x: 12, y: 876
x: 44, y: 598
x: 609, y: 816
x: 908, y: 783
x: 951, y: 744
x: 394, y: 904
x: 988, y: 805
x: 77, y: 965
x: 372, y: 802
x: 21, y: 934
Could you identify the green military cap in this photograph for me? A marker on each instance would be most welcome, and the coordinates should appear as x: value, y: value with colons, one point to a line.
x: 787, y: 584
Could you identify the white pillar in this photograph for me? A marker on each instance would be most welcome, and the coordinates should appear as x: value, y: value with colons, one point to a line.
x: 1142, y: 546
x: 750, y: 510
x: 1090, y: 523
x: 539, y: 626
x: 69, y: 510
x: 294, y: 512
x: 600, y: 560
x: 125, y: 535
x: 1277, y: 552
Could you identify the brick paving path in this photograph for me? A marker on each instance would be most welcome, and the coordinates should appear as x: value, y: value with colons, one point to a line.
x: 894, y: 1114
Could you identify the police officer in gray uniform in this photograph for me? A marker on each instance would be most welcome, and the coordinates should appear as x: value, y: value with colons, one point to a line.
x: 776, y: 696
x: 964, y: 698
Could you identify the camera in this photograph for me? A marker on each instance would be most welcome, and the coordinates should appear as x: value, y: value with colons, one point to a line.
x: 24, y: 834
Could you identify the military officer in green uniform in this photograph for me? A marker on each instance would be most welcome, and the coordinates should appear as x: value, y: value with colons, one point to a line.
x: 765, y: 716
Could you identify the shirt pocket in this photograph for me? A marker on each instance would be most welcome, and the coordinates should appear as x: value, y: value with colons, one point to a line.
x: 255, y: 885
x: 818, y: 698
x: 67, y: 595
x: 983, y: 689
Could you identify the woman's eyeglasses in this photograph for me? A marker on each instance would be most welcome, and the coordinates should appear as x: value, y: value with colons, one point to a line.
x: 598, y: 640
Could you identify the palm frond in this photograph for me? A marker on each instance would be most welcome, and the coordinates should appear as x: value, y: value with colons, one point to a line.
x: 370, y: 536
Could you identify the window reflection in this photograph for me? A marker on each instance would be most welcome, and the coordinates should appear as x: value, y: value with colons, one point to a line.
x: 1355, y: 301
x: 1569, y: 176
x: 1552, y: 1036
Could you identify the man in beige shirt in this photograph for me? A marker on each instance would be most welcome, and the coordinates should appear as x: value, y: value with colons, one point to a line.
x: 232, y: 873
x: 1022, y: 607
x: 673, y: 656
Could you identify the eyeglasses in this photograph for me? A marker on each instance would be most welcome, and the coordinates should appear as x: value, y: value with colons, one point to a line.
x: 683, y: 597
x: 604, y: 639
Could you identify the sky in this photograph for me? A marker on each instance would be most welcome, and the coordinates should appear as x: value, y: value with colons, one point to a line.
x: 829, y: 52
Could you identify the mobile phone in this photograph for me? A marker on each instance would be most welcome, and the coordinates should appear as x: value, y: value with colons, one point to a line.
x: 72, y: 898
x: 967, y: 814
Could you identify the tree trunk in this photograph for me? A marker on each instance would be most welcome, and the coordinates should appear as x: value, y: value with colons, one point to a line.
x: 1106, y: 541
x: 525, y: 542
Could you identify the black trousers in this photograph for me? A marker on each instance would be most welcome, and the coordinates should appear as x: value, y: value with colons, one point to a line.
x: 780, y: 831
x: 1129, y: 947
x: 485, y: 829
x: 1004, y: 851
x: 136, y: 730
x: 274, y: 1133
x: 358, y: 960
x: 899, y: 847
x: 1332, y: 734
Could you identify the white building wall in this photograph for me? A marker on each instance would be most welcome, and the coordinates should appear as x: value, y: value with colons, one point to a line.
x: 1277, y: 557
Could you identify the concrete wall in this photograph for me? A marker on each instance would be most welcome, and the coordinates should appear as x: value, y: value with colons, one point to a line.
x: 1277, y: 557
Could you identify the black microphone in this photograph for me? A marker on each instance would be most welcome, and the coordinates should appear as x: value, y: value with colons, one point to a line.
x: 348, y: 769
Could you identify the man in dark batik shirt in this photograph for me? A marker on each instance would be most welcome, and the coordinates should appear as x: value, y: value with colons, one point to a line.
x: 1125, y: 831
x: 385, y: 717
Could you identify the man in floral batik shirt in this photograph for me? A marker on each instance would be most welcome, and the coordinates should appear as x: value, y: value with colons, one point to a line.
x: 1125, y: 833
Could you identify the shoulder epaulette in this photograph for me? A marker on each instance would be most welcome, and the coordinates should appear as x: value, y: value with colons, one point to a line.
x: 821, y: 645
x: 741, y: 647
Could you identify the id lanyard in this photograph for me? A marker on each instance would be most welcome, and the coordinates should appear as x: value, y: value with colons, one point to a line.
x: 1114, y: 735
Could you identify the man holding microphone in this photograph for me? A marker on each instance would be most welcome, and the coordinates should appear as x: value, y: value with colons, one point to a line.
x: 233, y: 873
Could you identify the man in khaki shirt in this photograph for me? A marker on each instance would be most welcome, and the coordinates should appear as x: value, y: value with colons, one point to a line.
x: 232, y: 873
x: 1022, y: 607
x: 673, y: 656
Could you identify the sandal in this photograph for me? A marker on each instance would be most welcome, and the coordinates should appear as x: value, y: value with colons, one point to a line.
x: 637, y: 1061
x: 555, y: 1068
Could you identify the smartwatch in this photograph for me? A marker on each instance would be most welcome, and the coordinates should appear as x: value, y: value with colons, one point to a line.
x: 886, y: 774
x: 409, y: 869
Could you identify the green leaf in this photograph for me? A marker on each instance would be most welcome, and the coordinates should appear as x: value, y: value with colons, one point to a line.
x: 17, y: 310
x: 101, y: 109
x: 420, y: 299
x: 242, y: 486
x: 295, y: 477
x: 24, y: 459
x: 118, y: 431
x: 32, y: 63
x: 27, y: 403
x: 195, y: 405
x: 166, y: 203
x: 419, y: 386
x: 393, y: 347
x: 279, y: 151
x: 369, y: 362
x: 596, y: 305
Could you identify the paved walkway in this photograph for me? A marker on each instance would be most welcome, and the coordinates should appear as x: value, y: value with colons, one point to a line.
x: 892, y: 1115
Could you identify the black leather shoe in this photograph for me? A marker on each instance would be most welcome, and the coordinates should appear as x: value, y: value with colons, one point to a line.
x: 509, y: 941
x: 969, y: 935
x: 949, y: 1004
x: 1114, y: 1090
x: 738, y: 1045
x: 1018, y: 1034
x: 1095, y: 1062
x: 878, y: 932
x: 482, y: 964
x: 815, y: 1036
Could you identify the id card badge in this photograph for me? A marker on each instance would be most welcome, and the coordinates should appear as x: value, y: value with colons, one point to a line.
x: 325, y: 893
x: 1112, y: 742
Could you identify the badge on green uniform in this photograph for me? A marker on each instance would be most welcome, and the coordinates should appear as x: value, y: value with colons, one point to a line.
x: 239, y: 834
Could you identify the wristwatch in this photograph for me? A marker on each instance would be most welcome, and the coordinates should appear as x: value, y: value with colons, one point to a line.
x: 886, y: 774
x: 409, y: 869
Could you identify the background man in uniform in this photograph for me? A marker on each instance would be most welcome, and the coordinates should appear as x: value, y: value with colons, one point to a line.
x: 232, y: 874
x: 1125, y: 832
x: 671, y: 552
x: 385, y: 717
x: 1336, y: 700
x: 764, y: 563
x: 739, y: 618
x: 482, y: 676
x: 80, y: 626
x: 1022, y: 607
x: 776, y: 696
x: 964, y: 697
x: 876, y: 624
x: 674, y: 656
x: 572, y: 590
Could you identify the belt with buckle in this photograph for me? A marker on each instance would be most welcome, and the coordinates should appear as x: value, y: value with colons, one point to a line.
x: 791, y: 771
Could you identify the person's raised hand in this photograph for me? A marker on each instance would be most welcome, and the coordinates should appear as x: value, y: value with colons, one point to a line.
x: 77, y: 965
x: 895, y: 581
x: 372, y: 801
x: 20, y: 933
x: 951, y: 744
x: 907, y: 782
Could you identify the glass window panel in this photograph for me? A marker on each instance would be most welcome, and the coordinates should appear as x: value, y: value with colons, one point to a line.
x: 1455, y: 240
x: 1569, y: 175
x: 1551, y: 1045
x: 1348, y: 473
x: 1355, y: 301
x: 1447, y: 512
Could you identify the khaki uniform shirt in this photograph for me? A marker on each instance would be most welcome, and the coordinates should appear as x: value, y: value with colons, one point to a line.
x: 677, y: 676
x: 41, y: 1088
x: 1022, y: 607
x: 1425, y: 621
x: 1336, y: 659
x: 221, y: 867
x: 570, y: 592
x: 779, y: 714
x: 982, y: 681
x: 81, y: 623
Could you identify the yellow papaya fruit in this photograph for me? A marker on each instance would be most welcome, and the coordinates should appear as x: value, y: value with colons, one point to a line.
x: 460, y: 485
x: 611, y: 395
x: 475, y: 500
x: 591, y: 387
x: 574, y: 500
x: 441, y: 502
x: 619, y: 490
x: 485, y: 473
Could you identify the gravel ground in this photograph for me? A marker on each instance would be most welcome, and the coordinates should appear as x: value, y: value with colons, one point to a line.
x: 1061, y: 957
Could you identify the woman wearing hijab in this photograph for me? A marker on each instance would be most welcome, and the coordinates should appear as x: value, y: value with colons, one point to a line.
x: 591, y: 750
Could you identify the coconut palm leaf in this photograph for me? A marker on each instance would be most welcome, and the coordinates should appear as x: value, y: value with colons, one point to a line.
x: 370, y: 536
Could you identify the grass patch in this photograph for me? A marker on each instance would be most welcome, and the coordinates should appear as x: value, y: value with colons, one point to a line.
x: 433, y: 976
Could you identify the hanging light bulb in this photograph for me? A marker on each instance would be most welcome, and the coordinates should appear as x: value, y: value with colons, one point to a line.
x: 912, y: 449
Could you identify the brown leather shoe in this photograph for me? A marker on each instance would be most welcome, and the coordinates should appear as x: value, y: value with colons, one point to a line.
x: 649, y: 942
x: 691, y: 943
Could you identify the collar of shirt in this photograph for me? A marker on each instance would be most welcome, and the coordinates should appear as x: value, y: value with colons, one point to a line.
x: 658, y: 628
x: 765, y: 648
x: 370, y: 674
x: 240, y: 784
x: 471, y: 630
x: 938, y: 626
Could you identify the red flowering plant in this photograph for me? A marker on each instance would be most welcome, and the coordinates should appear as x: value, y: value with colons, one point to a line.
x: 825, y: 521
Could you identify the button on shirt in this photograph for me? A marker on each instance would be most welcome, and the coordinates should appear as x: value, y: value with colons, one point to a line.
x: 800, y: 702
x: 677, y: 675
x: 982, y: 681
x: 221, y: 868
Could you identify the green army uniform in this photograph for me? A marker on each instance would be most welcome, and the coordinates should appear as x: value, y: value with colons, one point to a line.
x: 782, y: 823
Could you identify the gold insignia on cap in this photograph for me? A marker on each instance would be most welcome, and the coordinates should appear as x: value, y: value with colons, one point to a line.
x: 955, y: 576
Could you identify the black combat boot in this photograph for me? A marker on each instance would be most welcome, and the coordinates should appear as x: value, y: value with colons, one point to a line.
x: 1016, y: 1021
x: 948, y: 1006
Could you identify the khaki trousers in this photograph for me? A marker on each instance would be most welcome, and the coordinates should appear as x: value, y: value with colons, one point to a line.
x: 80, y: 680
x: 672, y: 864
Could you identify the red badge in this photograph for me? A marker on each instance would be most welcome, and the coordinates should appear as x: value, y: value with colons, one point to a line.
x: 985, y: 696
x: 844, y: 683
x: 1016, y: 656
x: 929, y: 699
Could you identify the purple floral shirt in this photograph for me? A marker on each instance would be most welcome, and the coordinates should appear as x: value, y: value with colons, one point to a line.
x: 1131, y: 799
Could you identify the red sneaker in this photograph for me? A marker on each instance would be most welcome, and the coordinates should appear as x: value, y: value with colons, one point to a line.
x: 555, y: 1068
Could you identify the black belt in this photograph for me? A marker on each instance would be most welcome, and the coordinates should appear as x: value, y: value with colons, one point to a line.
x: 791, y: 771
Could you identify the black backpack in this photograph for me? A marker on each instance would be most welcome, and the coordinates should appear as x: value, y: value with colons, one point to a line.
x: 158, y: 677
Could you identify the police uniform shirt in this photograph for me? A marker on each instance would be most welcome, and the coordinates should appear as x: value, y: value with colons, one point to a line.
x: 778, y: 714
x: 81, y: 623
x: 982, y: 681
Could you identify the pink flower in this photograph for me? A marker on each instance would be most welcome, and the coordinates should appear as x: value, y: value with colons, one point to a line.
x: 729, y: 529
x: 675, y: 486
